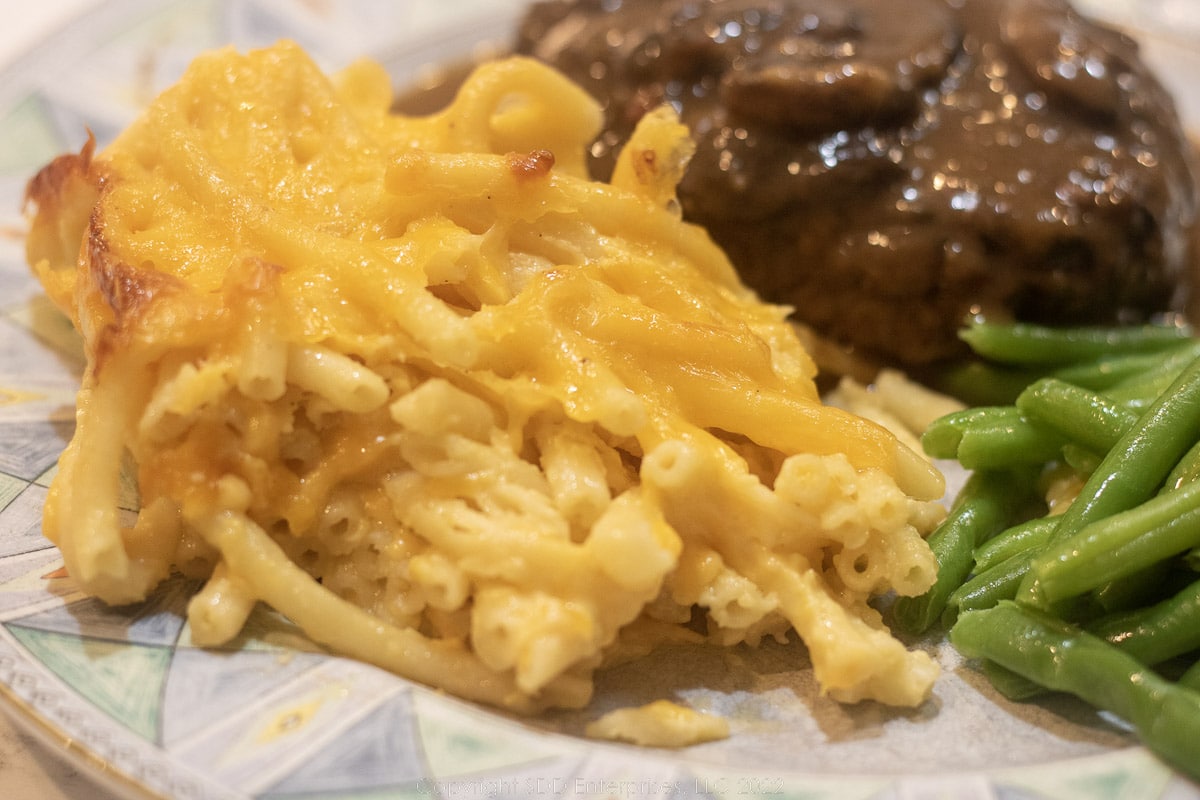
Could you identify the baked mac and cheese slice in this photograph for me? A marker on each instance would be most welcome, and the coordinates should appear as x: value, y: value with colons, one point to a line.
x: 452, y: 407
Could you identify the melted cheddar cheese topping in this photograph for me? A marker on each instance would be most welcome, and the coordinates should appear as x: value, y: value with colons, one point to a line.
x: 452, y: 407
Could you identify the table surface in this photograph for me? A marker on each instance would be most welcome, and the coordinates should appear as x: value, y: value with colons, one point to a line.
x: 31, y: 769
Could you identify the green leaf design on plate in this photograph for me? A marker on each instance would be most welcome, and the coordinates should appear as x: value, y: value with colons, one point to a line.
x: 103, y: 672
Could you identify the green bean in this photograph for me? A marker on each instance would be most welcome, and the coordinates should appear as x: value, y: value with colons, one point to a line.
x: 1080, y: 459
x: 979, y: 383
x: 987, y: 588
x: 1121, y: 406
x: 1025, y: 537
x: 1136, y: 590
x: 1159, y: 632
x: 991, y: 437
x: 986, y: 504
x: 1190, y: 679
x: 1028, y: 344
x: 1061, y: 657
x: 1118, y: 545
x: 1140, y: 390
x: 1186, y: 471
x: 1001, y: 444
x: 1014, y: 686
x: 1191, y: 559
x: 1107, y: 371
x: 943, y: 436
x: 1142, y: 587
x: 1135, y: 468
x: 994, y: 437
x: 1151, y: 635
x: 983, y: 383
x: 1082, y: 416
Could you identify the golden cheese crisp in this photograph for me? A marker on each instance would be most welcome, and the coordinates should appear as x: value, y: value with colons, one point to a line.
x: 659, y: 724
x: 450, y: 406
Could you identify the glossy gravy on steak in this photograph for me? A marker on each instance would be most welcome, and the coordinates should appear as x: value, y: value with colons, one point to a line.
x: 889, y: 166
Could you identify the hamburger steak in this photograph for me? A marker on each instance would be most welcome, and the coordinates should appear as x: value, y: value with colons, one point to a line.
x: 887, y: 167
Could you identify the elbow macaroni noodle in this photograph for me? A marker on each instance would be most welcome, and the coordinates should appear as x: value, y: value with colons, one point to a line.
x: 451, y: 407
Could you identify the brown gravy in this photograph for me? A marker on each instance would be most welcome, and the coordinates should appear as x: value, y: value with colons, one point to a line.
x: 889, y: 166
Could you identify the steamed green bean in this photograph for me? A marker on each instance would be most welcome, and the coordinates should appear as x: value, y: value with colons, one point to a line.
x: 1061, y: 657
x: 1024, y: 537
x: 1029, y: 344
x: 1159, y: 632
x: 986, y: 588
x: 1115, y: 546
x: 1135, y: 468
x: 986, y: 504
x: 1111, y: 371
x: 1084, y: 417
x: 1088, y: 601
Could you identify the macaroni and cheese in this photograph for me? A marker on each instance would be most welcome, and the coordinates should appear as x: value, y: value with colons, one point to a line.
x: 421, y: 386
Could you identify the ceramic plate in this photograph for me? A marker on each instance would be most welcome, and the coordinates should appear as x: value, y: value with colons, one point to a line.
x: 123, y: 692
